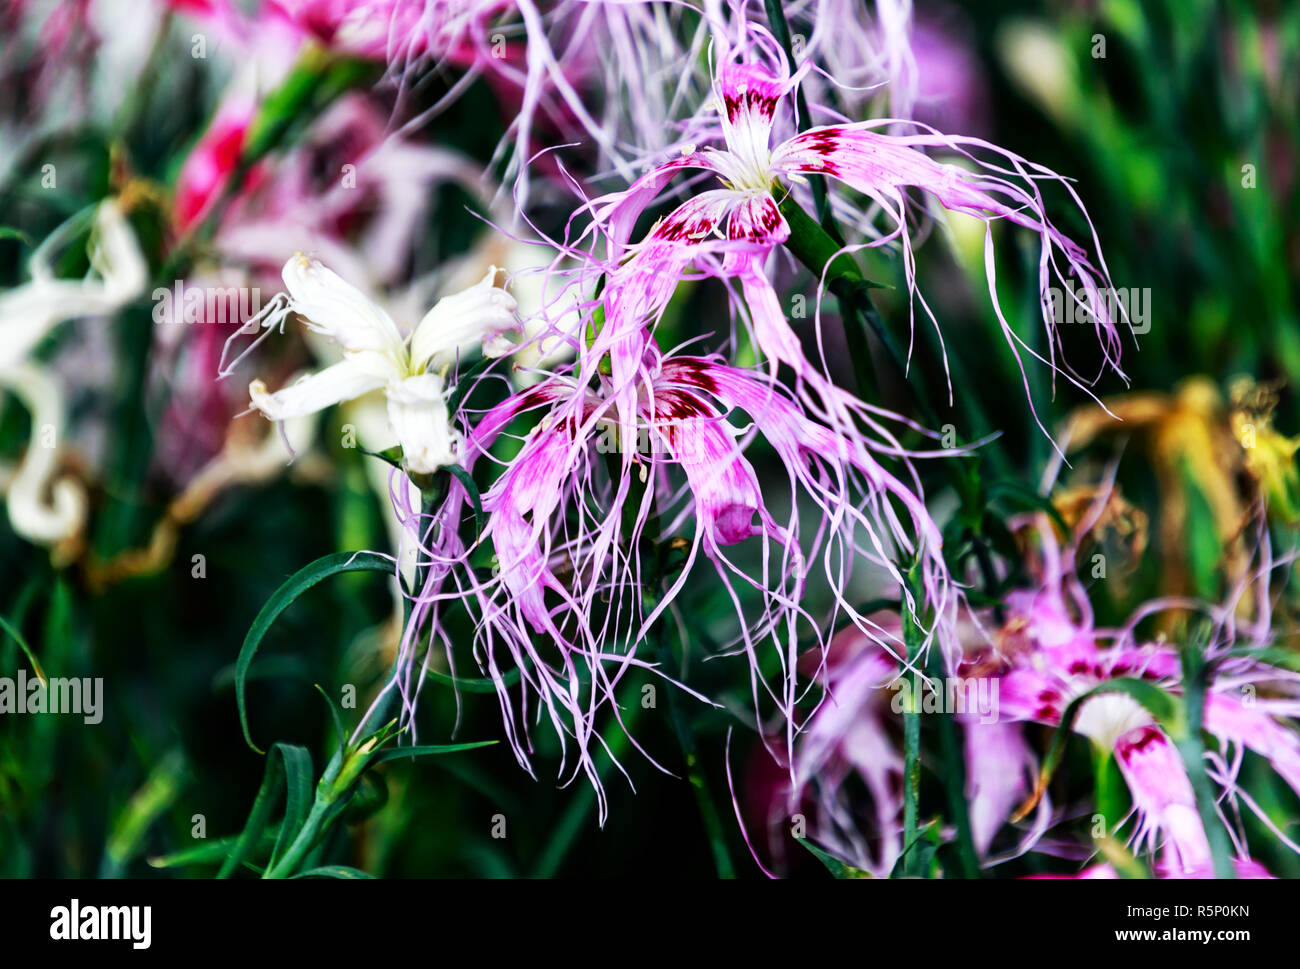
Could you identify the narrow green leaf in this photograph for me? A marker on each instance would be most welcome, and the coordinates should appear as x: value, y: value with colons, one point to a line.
x: 298, y: 777
x: 283, y: 759
x: 22, y: 644
x: 298, y: 583
x: 397, y: 753
x: 209, y: 852
x: 833, y: 864
x: 132, y: 823
x: 340, y: 734
x: 392, y: 455
x: 334, y: 871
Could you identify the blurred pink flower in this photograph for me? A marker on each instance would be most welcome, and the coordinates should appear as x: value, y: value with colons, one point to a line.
x: 853, y: 741
x: 1064, y: 657
x: 1046, y: 653
x: 212, y: 162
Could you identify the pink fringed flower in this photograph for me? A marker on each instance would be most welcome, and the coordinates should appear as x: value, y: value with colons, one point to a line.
x: 1046, y: 653
x: 609, y: 463
x: 731, y: 230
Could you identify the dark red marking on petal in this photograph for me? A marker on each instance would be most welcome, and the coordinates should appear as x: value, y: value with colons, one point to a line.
x: 678, y: 227
x: 692, y: 372
x: 1144, y: 738
x: 676, y: 405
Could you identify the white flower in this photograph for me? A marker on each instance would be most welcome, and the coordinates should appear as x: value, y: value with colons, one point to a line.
x: 376, y: 355
x: 41, y: 509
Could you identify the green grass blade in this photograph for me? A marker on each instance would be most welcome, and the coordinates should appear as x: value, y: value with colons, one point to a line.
x: 298, y: 583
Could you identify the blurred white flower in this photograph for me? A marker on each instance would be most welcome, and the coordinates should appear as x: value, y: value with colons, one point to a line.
x: 1040, y: 65
x: 43, y: 510
x: 30, y: 311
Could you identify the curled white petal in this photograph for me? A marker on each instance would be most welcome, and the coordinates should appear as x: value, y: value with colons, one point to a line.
x: 42, y: 510
x: 116, y: 257
x: 30, y: 311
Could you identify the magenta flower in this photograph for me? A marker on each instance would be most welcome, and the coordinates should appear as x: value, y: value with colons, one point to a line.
x: 563, y: 513
x: 850, y: 736
x: 214, y: 159
x: 1046, y: 653
x: 730, y: 231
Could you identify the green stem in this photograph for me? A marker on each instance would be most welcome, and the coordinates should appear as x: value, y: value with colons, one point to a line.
x: 695, y: 776
x: 317, y: 823
x: 913, y: 640
x: 1193, y: 750
x: 954, y: 778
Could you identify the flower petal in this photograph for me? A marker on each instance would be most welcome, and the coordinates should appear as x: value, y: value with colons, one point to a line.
x: 1229, y: 718
x: 998, y: 765
x: 726, y: 490
x: 30, y: 311
x: 481, y: 313
x: 884, y: 166
x: 340, y: 311
x: 42, y: 509
x: 417, y: 409
x: 315, y: 392
x: 749, y: 95
x: 1162, y: 794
